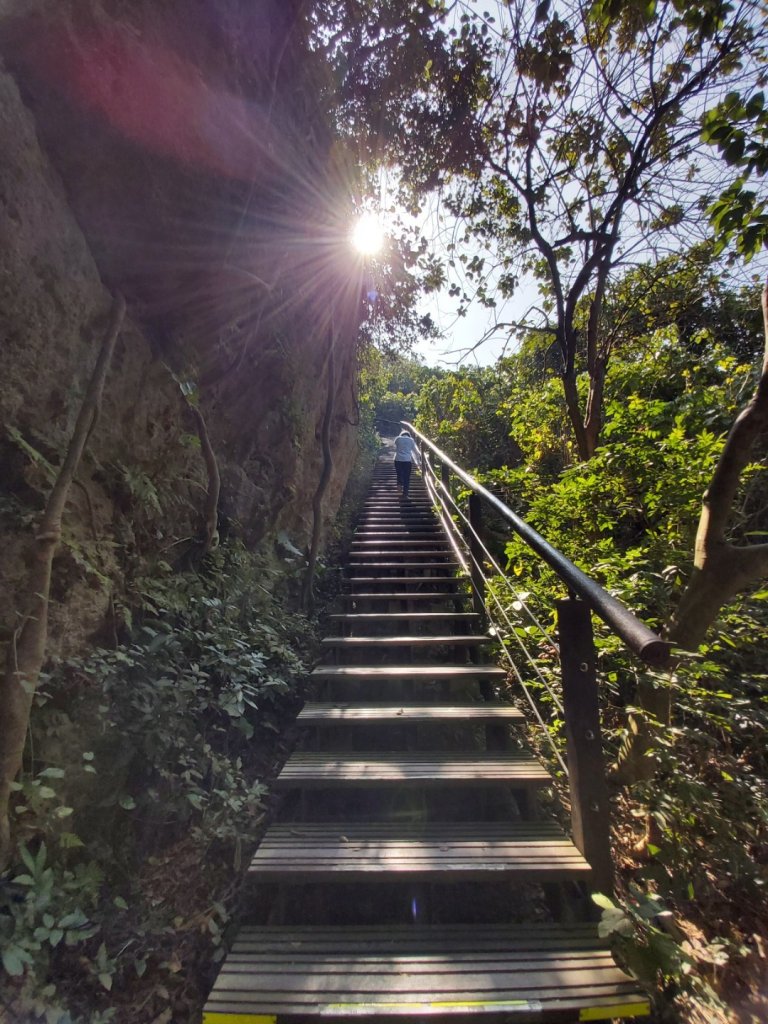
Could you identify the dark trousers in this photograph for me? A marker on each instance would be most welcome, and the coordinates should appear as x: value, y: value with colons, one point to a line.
x: 403, y: 470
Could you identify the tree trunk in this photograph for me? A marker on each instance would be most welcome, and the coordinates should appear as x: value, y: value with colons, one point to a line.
x: 720, y: 569
x: 593, y: 420
x: 574, y: 414
x: 27, y: 650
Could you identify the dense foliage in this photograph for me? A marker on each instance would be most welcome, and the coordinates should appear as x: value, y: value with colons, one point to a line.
x: 691, y: 913
x: 143, y: 791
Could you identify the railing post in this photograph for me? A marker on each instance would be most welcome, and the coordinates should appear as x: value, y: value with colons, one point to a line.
x: 445, y: 476
x: 590, y: 812
x: 476, y: 551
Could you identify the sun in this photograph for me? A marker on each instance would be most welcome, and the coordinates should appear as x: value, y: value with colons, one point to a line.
x: 368, y: 235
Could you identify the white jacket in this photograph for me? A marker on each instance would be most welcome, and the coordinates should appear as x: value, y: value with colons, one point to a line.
x: 405, y: 448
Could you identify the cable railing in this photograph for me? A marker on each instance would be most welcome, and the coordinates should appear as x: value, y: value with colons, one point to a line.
x: 574, y: 648
x: 641, y: 640
x: 493, y: 606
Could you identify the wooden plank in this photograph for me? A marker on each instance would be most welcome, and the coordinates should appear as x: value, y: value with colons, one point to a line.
x: 318, y: 713
x: 398, y: 508
x: 390, y: 542
x: 412, y: 768
x: 426, y: 561
x: 361, y: 618
x: 409, y: 640
x: 409, y: 595
x: 426, y: 580
x: 528, y: 971
x: 437, y: 554
x: 350, y: 852
x: 387, y: 520
x: 360, y: 673
x: 390, y: 531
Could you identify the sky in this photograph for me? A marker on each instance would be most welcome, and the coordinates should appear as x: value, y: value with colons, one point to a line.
x: 461, y: 333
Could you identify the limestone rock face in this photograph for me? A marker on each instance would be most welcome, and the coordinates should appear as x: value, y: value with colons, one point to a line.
x: 178, y: 152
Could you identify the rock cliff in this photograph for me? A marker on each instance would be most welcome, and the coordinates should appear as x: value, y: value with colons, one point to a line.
x: 181, y: 154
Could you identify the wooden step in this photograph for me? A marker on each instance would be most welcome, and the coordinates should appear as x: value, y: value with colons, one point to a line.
x: 362, y: 618
x: 397, y: 528
x: 391, y: 496
x: 398, y: 533
x: 407, y: 595
x: 373, y: 556
x: 417, y: 768
x: 376, y: 556
x: 398, y: 522
x: 366, y: 673
x: 391, y: 499
x: 443, y: 581
x: 431, y: 851
x: 400, y: 548
x: 399, y: 566
x: 386, y: 543
x: 321, y: 713
x: 398, y: 518
x: 409, y: 640
x: 388, y: 540
x: 444, y: 973
x: 399, y: 510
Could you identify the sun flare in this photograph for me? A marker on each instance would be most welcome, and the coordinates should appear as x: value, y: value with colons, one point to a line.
x: 368, y: 235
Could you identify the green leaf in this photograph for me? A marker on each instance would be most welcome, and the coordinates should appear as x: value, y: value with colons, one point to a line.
x: 14, y: 959
x: 70, y: 841
x: 603, y: 902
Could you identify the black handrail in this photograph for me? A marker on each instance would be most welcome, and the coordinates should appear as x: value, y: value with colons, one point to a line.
x: 636, y: 635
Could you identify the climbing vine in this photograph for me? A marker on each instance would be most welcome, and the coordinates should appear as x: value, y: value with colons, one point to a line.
x: 27, y: 649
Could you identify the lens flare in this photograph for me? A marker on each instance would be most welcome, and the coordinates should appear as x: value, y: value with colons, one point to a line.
x: 368, y: 235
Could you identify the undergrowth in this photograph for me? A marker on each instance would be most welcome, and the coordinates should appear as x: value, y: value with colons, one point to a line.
x: 143, y: 791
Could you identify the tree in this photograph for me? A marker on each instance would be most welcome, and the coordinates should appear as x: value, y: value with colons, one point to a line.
x: 721, y: 568
x: 591, y: 156
x: 738, y: 127
x: 567, y: 136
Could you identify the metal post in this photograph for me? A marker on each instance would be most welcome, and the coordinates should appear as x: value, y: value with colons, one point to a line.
x: 590, y: 812
x: 476, y: 551
x: 445, y: 476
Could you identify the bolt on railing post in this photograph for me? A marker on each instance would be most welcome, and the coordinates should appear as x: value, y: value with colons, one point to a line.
x: 476, y: 551
x: 590, y: 813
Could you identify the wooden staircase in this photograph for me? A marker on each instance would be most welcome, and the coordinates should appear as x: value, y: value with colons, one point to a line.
x: 409, y: 877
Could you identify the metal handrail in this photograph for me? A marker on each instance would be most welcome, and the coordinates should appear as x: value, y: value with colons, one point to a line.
x: 646, y: 644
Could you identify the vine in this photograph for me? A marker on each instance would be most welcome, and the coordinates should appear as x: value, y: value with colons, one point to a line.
x: 27, y: 649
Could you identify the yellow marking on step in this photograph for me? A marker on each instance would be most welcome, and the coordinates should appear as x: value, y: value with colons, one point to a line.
x: 238, y: 1018
x: 619, y: 1010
